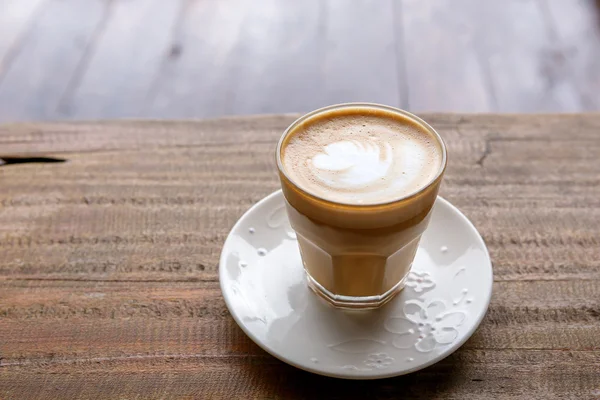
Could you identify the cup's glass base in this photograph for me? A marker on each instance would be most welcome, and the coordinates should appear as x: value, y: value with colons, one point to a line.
x: 351, y: 302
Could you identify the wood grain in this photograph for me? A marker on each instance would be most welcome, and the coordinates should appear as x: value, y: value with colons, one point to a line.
x: 15, y: 20
x: 108, y: 262
x: 360, y: 59
x: 199, y: 76
x: 236, y: 58
x: 576, y: 28
x: 528, y: 68
x: 56, y: 44
x: 444, y: 71
x: 118, y: 75
x: 279, y: 58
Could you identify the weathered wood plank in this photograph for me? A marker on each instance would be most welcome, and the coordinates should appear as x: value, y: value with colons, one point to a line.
x: 360, y: 60
x: 528, y: 69
x: 576, y: 29
x: 125, y: 60
x: 16, y: 18
x: 179, y: 241
x: 280, y: 54
x: 238, y: 58
x: 478, y: 374
x: 127, y: 319
x: 38, y: 76
x: 537, y: 301
x: 198, y: 77
x: 444, y: 71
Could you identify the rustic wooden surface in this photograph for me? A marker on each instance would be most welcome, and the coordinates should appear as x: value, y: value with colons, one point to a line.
x: 99, y: 59
x: 108, y: 261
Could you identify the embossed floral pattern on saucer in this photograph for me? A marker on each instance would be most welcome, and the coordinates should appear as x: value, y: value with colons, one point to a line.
x: 444, y: 300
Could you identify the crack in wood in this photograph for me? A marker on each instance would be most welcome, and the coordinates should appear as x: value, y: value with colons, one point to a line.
x: 486, y: 152
x: 7, y: 160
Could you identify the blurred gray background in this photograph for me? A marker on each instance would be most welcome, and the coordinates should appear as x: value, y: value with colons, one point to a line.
x: 96, y: 59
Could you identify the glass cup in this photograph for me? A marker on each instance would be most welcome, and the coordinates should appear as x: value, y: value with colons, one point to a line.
x: 358, y: 256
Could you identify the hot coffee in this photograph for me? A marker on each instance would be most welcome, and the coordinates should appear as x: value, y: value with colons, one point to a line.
x: 360, y: 181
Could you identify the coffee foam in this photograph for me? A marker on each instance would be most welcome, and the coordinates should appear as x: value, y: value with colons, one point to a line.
x: 361, y: 158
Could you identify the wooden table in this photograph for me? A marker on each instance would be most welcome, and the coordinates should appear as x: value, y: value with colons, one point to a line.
x: 108, y: 261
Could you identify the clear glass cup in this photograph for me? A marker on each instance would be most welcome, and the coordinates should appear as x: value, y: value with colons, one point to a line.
x: 358, y: 256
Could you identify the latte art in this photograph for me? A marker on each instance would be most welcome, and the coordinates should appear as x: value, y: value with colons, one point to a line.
x: 361, y: 159
x: 352, y: 164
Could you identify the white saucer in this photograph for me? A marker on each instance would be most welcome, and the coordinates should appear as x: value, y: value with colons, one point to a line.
x: 445, y: 298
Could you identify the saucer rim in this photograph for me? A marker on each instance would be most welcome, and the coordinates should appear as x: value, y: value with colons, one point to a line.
x: 283, y: 358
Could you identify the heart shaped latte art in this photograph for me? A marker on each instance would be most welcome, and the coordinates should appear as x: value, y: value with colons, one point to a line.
x: 352, y: 163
